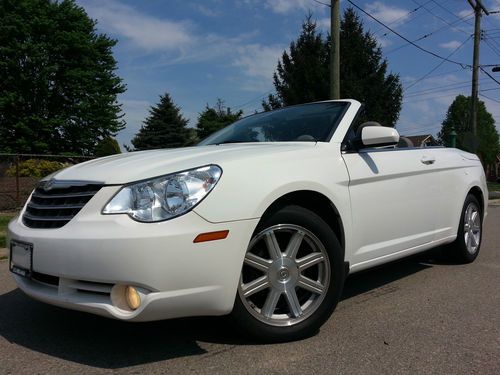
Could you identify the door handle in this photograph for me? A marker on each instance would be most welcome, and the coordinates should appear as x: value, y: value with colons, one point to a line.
x: 428, y: 160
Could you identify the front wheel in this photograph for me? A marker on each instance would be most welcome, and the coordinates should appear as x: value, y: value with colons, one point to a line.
x: 291, y: 278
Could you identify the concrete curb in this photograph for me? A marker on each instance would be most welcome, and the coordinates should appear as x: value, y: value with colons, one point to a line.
x: 494, y: 202
x: 494, y: 194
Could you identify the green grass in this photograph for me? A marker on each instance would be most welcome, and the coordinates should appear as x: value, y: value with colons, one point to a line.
x: 4, y: 220
x: 493, y: 186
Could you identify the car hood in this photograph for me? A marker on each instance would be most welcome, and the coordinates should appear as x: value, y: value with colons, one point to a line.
x: 135, y: 166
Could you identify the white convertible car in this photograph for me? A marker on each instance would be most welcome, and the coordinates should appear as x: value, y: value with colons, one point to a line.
x: 263, y: 220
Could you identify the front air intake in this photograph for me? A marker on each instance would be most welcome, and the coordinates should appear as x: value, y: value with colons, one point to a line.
x: 54, y: 203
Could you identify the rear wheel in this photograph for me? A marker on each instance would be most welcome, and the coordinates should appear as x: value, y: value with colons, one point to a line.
x: 466, y: 247
x: 292, y: 277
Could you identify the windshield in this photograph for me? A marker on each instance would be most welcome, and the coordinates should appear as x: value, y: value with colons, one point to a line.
x: 300, y: 123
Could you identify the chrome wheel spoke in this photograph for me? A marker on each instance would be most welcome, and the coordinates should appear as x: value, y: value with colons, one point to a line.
x: 255, y: 286
x: 473, y: 218
x: 293, y: 302
x: 310, y: 285
x: 271, y: 302
x: 473, y: 240
x: 257, y: 262
x: 294, y: 245
x: 272, y: 246
x: 309, y: 261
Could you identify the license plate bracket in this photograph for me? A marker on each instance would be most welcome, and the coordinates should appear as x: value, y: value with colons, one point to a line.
x: 21, y: 258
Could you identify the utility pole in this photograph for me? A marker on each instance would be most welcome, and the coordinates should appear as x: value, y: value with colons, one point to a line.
x: 335, y: 50
x: 478, y: 9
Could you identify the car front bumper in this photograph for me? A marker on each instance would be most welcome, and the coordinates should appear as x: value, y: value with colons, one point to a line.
x: 83, y: 265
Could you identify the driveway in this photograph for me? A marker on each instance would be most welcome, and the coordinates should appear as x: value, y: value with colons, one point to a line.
x: 416, y: 316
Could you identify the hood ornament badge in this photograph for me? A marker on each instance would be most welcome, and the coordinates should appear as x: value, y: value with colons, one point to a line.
x: 49, y: 185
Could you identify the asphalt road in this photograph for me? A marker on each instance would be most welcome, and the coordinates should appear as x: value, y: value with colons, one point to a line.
x: 416, y: 316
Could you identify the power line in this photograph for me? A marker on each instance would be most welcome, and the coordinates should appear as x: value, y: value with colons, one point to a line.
x: 441, y: 18
x: 415, y: 93
x: 487, y: 97
x: 425, y: 36
x: 450, y: 86
x: 238, y: 107
x: 423, y: 99
x: 441, y: 63
x: 426, y: 94
x: 411, y: 15
x: 446, y: 10
x: 488, y: 74
x: 319, y: 2
x: 492, y: 47
x: 492, y: 89
x: 406, y: 39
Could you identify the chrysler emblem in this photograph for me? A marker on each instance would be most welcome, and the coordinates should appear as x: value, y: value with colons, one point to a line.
x: 48, y: 185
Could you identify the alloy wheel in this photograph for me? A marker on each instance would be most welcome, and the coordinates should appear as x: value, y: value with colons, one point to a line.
x: 285, y: 276
x: 472, y: 228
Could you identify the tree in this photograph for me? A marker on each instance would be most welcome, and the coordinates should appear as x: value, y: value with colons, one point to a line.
x: 165, y: 127
x: 107, y: 146
x: 213, y: 119
x: 457, y: 117
x: 302, y: 75
x: 58, y: 86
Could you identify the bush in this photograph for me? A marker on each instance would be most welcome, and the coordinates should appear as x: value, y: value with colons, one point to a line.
x: 35, y: 168
x: 107, y: 146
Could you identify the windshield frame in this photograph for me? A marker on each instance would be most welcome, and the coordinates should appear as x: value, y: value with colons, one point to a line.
x: 334, y: 126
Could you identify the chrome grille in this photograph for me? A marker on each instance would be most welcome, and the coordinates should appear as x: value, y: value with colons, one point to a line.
x: 54, y: 203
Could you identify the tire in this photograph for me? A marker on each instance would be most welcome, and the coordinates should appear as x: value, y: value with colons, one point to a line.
x: 465, y: 248
x: 291, y: 279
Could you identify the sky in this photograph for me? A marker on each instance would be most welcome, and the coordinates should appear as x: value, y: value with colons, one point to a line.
x: 199, y: 51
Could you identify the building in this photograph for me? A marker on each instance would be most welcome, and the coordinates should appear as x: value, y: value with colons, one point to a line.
x: 425, y: 140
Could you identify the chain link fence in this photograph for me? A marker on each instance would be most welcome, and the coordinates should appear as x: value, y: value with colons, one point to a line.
x: 19, y: 174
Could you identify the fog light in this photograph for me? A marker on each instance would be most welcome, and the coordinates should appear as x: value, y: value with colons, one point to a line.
x: 132, y: 297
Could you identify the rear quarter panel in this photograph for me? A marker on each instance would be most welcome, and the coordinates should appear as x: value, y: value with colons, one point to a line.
x: 458, y: 173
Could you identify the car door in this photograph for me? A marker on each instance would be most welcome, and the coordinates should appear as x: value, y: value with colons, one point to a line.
x: 394, y: 200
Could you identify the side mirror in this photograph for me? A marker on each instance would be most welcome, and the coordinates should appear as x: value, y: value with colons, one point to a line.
x: 378, y: 136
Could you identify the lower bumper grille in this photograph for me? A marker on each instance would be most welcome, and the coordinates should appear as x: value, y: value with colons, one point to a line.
x: 80, y: 286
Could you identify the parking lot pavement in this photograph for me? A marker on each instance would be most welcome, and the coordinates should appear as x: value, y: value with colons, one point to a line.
x: 414, y: 316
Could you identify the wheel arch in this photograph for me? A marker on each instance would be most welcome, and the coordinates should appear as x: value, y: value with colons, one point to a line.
x: 317, y: 203
x: 478, y: 194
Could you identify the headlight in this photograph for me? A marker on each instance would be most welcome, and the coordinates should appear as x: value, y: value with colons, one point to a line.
x: 165, y: 197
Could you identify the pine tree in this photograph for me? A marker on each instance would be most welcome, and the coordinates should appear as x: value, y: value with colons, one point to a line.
x: 363, y: 73
x: 458, y: 116
x: 165, y: 127
x: 215, y: 118
x: 58, y: 86
x: 303, y: 75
